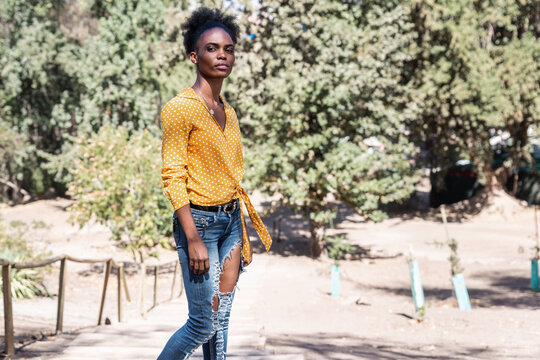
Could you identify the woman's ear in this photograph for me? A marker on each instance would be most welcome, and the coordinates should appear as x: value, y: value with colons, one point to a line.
x: 193, y: 57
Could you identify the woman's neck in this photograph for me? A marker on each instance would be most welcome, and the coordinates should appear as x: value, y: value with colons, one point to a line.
x: 210, y: 88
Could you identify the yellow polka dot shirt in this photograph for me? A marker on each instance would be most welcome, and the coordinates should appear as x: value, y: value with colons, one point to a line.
x: 202, y: 163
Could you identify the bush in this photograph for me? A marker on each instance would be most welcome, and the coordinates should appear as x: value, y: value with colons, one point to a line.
x: 338, y: 247
x: 25, y: 283
x: 15, y: 157
x: 116, y: 181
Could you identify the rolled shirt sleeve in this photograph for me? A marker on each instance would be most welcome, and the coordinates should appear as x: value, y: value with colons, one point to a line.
x: 176, y: 129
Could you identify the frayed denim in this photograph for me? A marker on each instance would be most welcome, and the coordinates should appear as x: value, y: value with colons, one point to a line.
x: 221, y: 232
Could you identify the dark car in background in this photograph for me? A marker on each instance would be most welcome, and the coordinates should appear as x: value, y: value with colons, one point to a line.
x: 461, y: 181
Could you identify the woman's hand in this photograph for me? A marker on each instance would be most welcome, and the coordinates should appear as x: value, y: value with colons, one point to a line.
x: 198, y: 256
x: 197, y: 250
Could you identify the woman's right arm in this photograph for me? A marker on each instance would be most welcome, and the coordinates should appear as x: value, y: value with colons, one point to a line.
x: 176, y: 131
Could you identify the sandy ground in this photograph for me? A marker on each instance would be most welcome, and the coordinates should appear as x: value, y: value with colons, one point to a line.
x: 374, y: 316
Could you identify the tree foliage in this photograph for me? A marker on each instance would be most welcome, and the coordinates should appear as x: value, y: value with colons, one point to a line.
x: 335, y: 98
x: 322, y: 83
x: 69, y: 68
x: 476, y: 68
x: 14, y: 160
x: 32, y: 80
x: 116, y: 182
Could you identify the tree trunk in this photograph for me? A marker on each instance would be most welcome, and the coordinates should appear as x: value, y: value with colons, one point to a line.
x: 318, y: 247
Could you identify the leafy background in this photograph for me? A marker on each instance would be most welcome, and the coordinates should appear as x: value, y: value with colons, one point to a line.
x: 338, y: 100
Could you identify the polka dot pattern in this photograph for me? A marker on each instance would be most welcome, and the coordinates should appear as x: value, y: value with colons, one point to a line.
x: 202, y: 163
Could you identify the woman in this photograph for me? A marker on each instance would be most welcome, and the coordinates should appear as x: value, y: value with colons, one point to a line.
x: 201, y: 173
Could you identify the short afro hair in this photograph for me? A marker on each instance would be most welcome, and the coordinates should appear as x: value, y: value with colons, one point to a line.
x: 203, y: 19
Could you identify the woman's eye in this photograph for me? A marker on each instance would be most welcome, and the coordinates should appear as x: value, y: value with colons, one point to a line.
x: 230, y: 50
x: 211, y: 48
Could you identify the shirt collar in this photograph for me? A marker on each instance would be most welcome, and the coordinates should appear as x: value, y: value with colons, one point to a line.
x: 189, y: 93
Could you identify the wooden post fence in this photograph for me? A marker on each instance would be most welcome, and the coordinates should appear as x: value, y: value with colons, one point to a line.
x: 104, y: 292
x: 155, y: 269
x: 9, y: 341
x: 61, y: 296
x: 8, y: 310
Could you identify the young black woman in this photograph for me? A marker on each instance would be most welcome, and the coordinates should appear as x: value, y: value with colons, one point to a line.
x: 201, y: 173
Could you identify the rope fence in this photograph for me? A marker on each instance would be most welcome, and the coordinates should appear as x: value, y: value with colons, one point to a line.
x: 9, y: 341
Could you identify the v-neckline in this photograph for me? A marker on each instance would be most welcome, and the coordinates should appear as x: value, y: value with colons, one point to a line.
x: 210, y: 112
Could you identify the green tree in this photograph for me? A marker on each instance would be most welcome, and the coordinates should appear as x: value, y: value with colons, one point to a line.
x: 321, y: 101
x: 117, y: 67
x: 13, y: 161
x: 116, y: 181
x: 512, y: 39
x: 70, y: 67
x: 476, y: 67
x: 32, y: 80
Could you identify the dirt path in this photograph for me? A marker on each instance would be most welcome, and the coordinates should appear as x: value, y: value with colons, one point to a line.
x: 371, y: 320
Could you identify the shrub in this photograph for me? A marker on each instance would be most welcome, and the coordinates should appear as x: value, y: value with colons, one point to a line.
x: 15, y: 157
x: 338, y: 247
x: 25, y: 283
x: 116, y: 181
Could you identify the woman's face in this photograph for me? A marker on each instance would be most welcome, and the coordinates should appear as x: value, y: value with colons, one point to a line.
x: 214, y: 53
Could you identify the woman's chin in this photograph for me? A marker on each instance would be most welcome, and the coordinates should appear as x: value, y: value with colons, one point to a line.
x: 216, y: 74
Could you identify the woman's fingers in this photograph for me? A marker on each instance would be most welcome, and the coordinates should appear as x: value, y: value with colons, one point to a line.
x: 199, y: 266
x: 198, y: 257
x: 202, y: 270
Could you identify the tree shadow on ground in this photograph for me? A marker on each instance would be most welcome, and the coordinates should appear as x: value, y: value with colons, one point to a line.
x: 347, y: 346
x: 288, y: 230
x: 291, y: 237
x: 416, y: 208
x: 505, y: 291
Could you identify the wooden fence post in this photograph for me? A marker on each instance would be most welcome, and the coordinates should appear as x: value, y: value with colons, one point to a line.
x: 102, y: 304
x: 156, y: 270
x: 61, y: 296
x: 9, y: 342
x: 119, y: 291
x: 142, y: 307
x: 126, y: 291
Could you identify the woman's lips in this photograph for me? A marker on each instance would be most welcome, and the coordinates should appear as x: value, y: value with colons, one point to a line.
x: 222, y: 66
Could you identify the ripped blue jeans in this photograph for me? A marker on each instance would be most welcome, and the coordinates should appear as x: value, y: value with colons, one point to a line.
x: 221, y: 232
